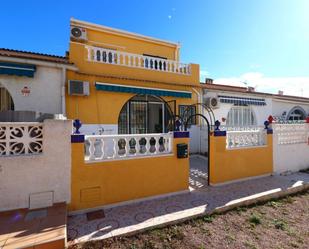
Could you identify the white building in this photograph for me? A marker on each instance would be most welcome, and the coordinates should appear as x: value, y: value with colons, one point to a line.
x: 31, y: 85
x: 243, y: 107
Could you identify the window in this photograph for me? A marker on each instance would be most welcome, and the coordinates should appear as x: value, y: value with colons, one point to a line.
x: 144, y: 114
x: 187, y: 111
x: 241, y: 116
x: 297, y: 113
x: 6, y: 101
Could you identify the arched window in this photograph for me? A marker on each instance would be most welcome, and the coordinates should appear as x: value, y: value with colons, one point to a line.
x: 241, y: 116
x: 297, y: 113
x: 6, y: 101
x: 145, y: 114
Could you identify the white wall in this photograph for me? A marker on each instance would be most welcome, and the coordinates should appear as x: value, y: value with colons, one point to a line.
x: 280, y: 106
x: 198, y: 139
x: 21, y: 176
x: 45, y: 89
x: 261, y: 112
x: 290, y: 157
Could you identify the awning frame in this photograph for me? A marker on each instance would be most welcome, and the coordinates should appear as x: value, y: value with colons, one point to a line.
x: 142, y: 90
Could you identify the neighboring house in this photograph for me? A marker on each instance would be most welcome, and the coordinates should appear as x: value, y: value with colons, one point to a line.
x: 126, y: 83
x: 243, y: 107
x: 239, y: 108
x: 31, y: 84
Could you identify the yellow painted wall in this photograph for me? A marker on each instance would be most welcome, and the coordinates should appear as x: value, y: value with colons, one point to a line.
x: 104, y: 107
x: 116, y: 39
x: 103, y: 183
x: 227, y: 165
x: 78, y: 56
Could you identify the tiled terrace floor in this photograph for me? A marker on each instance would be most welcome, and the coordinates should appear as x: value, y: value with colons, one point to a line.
x: 43, y: 228
x: 198, y: 172
x: 143, y: 215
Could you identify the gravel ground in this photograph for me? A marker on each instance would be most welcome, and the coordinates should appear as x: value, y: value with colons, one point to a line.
x: 276, y: 224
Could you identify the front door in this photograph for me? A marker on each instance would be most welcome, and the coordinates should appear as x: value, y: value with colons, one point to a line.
x: 155, y: 117
x: 145, y: 114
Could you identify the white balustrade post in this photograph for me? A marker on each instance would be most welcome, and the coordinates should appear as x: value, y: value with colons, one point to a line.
x: 127, y: 147
x: 91, y: 148
x: 147, y: 145
x: 157, y: 146
x: 115, y: 148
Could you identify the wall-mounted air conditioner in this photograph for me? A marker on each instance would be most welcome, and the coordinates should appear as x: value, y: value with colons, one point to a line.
x: 212, y: 102
x: 78, y: 87
x: 78, y: 33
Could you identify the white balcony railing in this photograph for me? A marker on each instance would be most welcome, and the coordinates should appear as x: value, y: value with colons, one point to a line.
x: 291, y: 133
x: 21, y: 138
x: 246, y: 138
x: 117, y: 147
x: 108, y: 56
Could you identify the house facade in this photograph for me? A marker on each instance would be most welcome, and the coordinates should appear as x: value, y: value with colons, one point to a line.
x: 133, y: 83
x: 243, y: 107
x: 31, y: 85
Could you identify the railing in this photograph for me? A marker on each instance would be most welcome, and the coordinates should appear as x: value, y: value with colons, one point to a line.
x: 21, y: 138
x: 241, y: 139
x: 116, y: 147
x: 291, y: 133
x: 240, y: 128
x: 108, y: 56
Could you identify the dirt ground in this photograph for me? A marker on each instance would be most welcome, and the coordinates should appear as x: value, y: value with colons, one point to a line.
x: 276, y: 224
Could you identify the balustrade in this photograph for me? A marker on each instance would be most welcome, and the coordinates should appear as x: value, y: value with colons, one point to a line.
x: 291, y: 133
x: 245, y: 138
x: 113, y: 147
x: 108, y: 56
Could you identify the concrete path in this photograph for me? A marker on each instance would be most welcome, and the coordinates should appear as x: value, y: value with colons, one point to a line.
x: 136, y: 217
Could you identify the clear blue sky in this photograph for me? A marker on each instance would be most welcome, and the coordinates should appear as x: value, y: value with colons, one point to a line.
x: 227, y: 38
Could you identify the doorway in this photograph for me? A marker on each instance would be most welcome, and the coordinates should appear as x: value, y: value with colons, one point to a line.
x: 144, y: 114
x: 199, y: 162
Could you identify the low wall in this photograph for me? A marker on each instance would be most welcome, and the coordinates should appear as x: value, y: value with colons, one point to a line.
x: 108, y: 182
x: 23, y: 175
x: 291, y: 148
x: 236, y: 164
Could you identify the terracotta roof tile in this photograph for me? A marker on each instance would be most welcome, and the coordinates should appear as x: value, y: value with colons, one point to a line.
x: 34, y: 56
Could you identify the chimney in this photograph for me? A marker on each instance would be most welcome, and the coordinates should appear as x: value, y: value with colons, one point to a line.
x: 250, y: 89
x: 280, y: 92
x: 208, y: 81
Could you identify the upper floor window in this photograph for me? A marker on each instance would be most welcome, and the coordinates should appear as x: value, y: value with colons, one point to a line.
x: 241, y: 116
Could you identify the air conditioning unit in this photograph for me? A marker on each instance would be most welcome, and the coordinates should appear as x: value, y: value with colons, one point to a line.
x: 213, y: 102
x: 78, y: 87
x: 78, y: 33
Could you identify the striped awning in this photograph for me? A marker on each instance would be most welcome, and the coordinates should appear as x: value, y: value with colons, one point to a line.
x: 17, y: 69
x: 241, y: 100
x: 142, y: 90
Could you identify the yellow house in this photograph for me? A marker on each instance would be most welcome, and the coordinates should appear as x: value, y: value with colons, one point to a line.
x: 127, y: 91
x: 126, y: 83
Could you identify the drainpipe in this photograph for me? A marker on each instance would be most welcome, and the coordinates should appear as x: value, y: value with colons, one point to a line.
x: 63, y: 77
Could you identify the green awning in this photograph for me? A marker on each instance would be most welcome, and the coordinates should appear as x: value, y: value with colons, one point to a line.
x: 17, y: 69
x: 142, y: 90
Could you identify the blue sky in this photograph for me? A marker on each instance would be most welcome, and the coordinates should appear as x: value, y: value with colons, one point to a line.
x: 262, y: 42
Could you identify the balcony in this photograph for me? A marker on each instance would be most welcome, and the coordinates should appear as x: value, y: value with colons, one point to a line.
x: 113, y: 57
